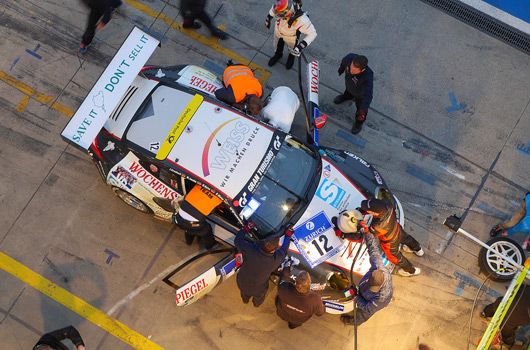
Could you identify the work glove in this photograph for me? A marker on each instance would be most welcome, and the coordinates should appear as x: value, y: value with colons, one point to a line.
x: 340, y: 70
x: 298, y: 48
x: 289, y: 231
x: 268, y: 21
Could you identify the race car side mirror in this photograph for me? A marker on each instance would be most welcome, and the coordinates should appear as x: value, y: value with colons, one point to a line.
x: 321, y: 121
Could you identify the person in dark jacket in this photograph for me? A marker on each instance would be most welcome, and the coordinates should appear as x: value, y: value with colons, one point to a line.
x: 194, y: 9
x: 259, y: 261
x: 100, y: 14
x: 375, y: 288
x: 241, y: 89
x: 386, y: 227
x: 295, y: 303
x: 52, y: 340
x: 359, y: 86
x: 517, y: 315
x: 190, y: 214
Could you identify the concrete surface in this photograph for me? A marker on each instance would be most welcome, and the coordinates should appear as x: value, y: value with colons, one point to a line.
x: 58, y: 219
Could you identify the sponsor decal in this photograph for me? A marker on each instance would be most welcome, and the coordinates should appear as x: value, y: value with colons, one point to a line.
x: 179, y: 127
x: 242, y: 200
x: 277, y: 143
x: 330, y: 193
x: 378, y: 178
x: 313, y: 78
x: 334, y: 306
x: 362, y: 161
x: 326, y: 174
x: 122, y: 175
x: 109, y: 147
x: 202, y: 84
x: 228, y: 269
x: 332, y: 155
x: 317, y: 286
x: 151, y: 181
x: 154, y: 146
x: 191, y: 290
x: 227, y: 149
x: 327, y: 167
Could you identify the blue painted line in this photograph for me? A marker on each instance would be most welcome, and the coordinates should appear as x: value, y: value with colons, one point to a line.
x: 516, y: 8
x: 495, y: 212
x: 155, y: 34
x: 421, y: 175
x: 111, y: 255
x: 213, y: 67
x: 34, y: 52
x: 524, y: 150
x: 466, y: 280
x: 455, y: 106
x: 351, y: 139
x: 16, y: 61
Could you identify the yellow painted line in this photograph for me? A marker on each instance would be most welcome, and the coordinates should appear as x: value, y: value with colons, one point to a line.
x: 22, y: 103
x: 211, y: 42
x: 64, y: 297
x: 179, y: 126
x: 30, y: 92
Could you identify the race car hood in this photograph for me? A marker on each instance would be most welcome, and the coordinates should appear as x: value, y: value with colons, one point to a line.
x: 314, y: 235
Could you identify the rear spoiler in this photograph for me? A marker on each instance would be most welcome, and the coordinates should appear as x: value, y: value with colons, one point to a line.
x: 308, y: 80
x: 109, y: 89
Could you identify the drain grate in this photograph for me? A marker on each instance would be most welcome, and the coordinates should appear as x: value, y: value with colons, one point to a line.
x: 484, y: 23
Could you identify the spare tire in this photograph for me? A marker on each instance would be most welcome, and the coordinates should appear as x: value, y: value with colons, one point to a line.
x: 489, y: 262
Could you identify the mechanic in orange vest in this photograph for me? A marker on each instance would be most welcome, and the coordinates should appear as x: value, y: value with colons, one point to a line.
x: 190, y: 214
x: 242, y: 89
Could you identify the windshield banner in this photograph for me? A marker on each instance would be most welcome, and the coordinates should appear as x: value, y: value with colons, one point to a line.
x: 109, y: 89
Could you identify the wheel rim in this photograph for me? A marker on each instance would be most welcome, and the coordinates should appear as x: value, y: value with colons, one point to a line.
x: 132, y: 201
x: 507, y: 249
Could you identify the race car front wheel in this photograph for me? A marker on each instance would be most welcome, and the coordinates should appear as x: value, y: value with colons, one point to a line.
x: 501, y: 270
x: 131, y: 200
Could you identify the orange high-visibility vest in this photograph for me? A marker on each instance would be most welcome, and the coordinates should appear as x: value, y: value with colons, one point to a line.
x: 242, y: 81
x: 202, y: 200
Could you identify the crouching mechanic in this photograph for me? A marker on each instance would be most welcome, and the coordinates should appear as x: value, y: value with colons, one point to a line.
x: 281, y: 108
x: 242, y: 89
x: 291, y: 22
x: 386, y: 227
x: 375, y: 288
x: 190, y: 214
x: 295, y: 302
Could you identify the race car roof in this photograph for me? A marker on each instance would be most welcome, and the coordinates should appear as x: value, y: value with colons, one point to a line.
x: 216, y: 144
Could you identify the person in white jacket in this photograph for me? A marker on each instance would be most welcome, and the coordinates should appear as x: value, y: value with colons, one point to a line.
x: 281, y: 108
x: 291, y: 22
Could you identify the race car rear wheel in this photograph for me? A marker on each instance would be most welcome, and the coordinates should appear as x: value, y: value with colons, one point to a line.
x: 490, y: 263
x: 131, y: 200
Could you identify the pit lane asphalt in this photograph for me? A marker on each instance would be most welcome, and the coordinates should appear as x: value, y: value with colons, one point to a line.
x: 447, y: 129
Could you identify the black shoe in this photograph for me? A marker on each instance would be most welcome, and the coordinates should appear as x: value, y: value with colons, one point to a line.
x: 292, y: 326
x: 218, y: 33
x: 193, y: 25
x: 357, y: 127
x: 275, y: 59
x: 290, y: 62
x: 346, y: 320
x: 339, y: 99
x: 495, y: 230
x: 189, y: 238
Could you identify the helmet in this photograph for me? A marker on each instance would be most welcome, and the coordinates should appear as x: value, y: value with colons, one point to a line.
x: 283, y: 8
x: 348, y: 219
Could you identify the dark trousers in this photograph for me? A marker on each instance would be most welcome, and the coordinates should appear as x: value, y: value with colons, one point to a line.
x: 358, y: 103
x: 509, y: 330
x: 192, y: 10
x: 391, y: 249
x: 196, y: 228
x: 93, y: 19
x: 257, y: 301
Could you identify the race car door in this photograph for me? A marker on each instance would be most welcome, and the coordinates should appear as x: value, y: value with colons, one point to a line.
x: 200, y: 274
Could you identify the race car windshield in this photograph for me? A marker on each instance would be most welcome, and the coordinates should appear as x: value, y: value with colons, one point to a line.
x: 283, y: 190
